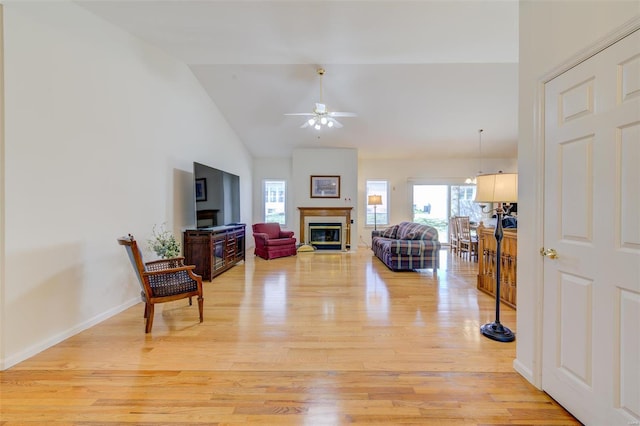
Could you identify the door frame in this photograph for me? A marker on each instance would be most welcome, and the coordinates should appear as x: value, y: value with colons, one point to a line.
x: 539, y: 141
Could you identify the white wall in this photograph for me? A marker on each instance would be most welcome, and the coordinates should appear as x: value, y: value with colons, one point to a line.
x: 296, y: 171
x: 341, y: 162
x: 102, y: 131
x: 551, y: 32
x: 399, y: 172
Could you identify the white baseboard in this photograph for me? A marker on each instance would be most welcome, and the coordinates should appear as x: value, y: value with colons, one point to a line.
x: 524, y: 372
x: 54, y: 340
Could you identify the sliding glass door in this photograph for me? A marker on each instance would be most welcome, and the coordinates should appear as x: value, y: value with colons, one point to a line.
x: 434, y: 205
x: 431, y: 207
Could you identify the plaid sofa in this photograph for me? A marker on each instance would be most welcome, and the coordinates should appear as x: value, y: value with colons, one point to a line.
x: 407, y: 246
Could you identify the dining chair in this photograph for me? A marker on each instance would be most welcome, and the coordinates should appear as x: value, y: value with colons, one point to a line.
x: 468, y: 244
x: 453, y: 235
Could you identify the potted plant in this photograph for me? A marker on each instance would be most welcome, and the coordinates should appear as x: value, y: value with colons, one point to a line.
x: 163, y: 243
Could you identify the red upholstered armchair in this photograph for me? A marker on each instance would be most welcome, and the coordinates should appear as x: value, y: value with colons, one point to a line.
x: 272, y: 242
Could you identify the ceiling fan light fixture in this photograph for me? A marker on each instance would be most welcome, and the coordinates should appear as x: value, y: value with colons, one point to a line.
x: 320, y: 115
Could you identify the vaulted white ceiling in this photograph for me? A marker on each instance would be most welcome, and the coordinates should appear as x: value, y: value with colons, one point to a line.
x: 423, y: 76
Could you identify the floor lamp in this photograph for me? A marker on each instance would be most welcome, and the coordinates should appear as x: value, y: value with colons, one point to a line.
x: 374, y: 200
x: 497, y: 188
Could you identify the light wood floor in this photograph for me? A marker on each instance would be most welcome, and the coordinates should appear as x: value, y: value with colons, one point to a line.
x: 315, y: 339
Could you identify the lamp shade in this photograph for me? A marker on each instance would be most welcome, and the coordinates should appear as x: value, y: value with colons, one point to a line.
x: 497, y: 188
x: 374, y: 200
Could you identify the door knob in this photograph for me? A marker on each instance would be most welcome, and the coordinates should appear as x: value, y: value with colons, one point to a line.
x: 550, y: 253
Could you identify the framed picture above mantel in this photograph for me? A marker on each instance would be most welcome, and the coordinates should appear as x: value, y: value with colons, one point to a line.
x: 325, y: 186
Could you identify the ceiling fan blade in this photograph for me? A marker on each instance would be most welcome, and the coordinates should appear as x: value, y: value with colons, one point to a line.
x: 343, y: 114
x: 335, y: 122
x: 321, y: 116
x: 305, y: 125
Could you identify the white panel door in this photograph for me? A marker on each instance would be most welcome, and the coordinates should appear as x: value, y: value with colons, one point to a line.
x: 591, y: 325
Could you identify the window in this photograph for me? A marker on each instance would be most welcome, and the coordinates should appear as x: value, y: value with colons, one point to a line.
x: 275, y: 196
x: 434, y: 204
x: 381, y: 216
x: 462, y: 202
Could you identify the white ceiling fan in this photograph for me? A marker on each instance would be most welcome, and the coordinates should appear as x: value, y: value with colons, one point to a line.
x: 321, y: 116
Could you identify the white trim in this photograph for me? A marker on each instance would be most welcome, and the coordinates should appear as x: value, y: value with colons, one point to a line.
x: 631, y: 26
x: 535, y: 374
x: 263, y: 202
x: 54, y: 340
x: 608, y: 40
x: 523, y: 370
x: 3, y: 320
x: 387, y: 202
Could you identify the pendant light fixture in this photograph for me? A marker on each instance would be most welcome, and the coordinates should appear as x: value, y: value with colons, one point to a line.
x: 474, y: 180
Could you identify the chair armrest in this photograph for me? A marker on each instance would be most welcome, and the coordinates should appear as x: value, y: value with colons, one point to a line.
x: 407, y: 247
x: 163, y: 264
x: 286, y: 234
x: 261, y: 236
x: 414, y: 247
x: 170, y: 270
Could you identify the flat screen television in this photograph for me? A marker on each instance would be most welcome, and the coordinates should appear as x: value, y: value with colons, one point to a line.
x: 217, y: 196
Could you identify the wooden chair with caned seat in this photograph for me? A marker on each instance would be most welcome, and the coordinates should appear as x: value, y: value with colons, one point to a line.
x: 162, y: 280
x: 467, y: 243
x: 453, y: 235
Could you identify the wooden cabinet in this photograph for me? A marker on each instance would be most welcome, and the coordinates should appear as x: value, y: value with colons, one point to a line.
x: 508, y: 265
x: 214, y: 250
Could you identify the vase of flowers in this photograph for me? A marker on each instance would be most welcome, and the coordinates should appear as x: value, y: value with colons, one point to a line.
x: 163, y: 243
